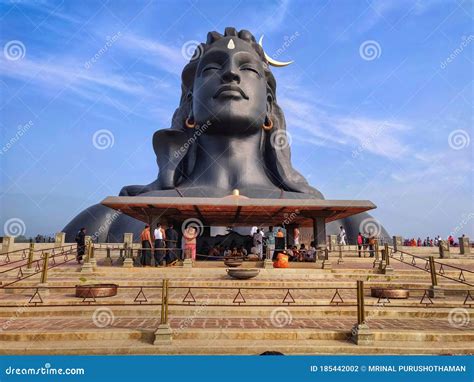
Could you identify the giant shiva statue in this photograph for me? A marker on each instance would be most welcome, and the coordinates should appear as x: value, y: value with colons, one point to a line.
x: 227, y: 133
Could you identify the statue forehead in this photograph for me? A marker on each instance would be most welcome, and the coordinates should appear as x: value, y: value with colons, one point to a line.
x: 232, y: 45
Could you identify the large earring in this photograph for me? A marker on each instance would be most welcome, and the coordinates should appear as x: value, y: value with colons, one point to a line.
x: 267, y: 124
x: 190, y: 125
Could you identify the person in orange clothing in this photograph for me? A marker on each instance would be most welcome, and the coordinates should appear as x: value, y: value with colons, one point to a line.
x: 281, y: 261
x: 145, y: 238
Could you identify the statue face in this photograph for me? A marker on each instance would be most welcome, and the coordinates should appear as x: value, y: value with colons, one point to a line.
x: 230, y: 89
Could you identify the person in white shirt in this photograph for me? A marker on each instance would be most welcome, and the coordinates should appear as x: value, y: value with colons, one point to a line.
x: 160, y: 237
x: 296, y: 236
x: 342, y: 236
x: 258, y: 243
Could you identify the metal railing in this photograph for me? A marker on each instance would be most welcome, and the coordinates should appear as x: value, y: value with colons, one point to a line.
x: 183, y: 296
x: 47, y: 260
x: 28, y: 253
x: 435, y: 268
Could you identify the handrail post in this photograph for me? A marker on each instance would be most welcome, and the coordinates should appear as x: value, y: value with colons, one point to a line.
x: 108, y: 258
x: 387, y: 268
x: 435, y: 291
x: 326, y: 262
x: 434, y: 280
x: 44, y: 272
x: 164, y: 302
x: 376, y: 255
x: 29, y: 265
x: 92, y: 258
x: 360, y: 303
x: 43, y: 285
x: 87, y: 266
x: 188, y: 261
x: 340, y: 260
x: 127, y: 258
x: 268, y: 263
x: 164, y: 334
x: 382, y: 262
x: 361, y: 334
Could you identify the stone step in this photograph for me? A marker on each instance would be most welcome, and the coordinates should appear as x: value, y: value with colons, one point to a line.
x: 416, y: 283
x: 232, y: 334
x: 67, y: 312
x: 281, y: 322
x: 144, y: 346
x: 245, y: 298
x: 145, y: 310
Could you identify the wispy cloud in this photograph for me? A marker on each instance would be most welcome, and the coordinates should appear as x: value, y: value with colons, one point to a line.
x: 154, y: 52
x: 316, y: 124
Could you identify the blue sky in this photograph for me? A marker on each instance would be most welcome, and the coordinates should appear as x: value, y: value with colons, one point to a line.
x: 378, y: 101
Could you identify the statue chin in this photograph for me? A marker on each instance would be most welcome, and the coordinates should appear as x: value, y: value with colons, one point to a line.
x: 231, y: 125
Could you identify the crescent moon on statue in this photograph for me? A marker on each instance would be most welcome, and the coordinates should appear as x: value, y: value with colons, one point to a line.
x: 270, y: 60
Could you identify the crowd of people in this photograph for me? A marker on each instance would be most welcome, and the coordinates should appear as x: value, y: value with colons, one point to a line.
x: 163, y: 246
x: 44, y: 239
x: 430, y: 242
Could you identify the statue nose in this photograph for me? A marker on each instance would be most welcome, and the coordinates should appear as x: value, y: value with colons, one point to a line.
x: 231, y: 76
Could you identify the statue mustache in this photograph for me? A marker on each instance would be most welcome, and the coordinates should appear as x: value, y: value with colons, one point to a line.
x: 223, y: 88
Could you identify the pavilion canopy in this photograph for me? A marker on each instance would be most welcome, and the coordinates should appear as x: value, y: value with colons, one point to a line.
x: 235, y: 210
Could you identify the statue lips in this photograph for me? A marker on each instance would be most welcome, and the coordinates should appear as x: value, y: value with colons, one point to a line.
x: 230, y: 90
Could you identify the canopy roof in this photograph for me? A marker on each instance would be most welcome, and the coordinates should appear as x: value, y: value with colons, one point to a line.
x: 235, y: 210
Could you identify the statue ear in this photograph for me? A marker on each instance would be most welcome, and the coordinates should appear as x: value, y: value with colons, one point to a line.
x: 269, y: 103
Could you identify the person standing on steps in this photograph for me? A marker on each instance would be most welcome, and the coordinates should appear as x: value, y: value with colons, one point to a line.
x: 360, y: 241
x: 258, y: 243
x: 342, y: 236
x: 145, y: 238
x: 81, y: 244
x: 270, y: 241
x: 171, y: 242
x: 160, y: 237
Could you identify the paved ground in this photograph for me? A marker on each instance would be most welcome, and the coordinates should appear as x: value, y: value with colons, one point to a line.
x: 66, y: 324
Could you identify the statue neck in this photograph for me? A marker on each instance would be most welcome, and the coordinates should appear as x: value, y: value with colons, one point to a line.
x: 229, y: 162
